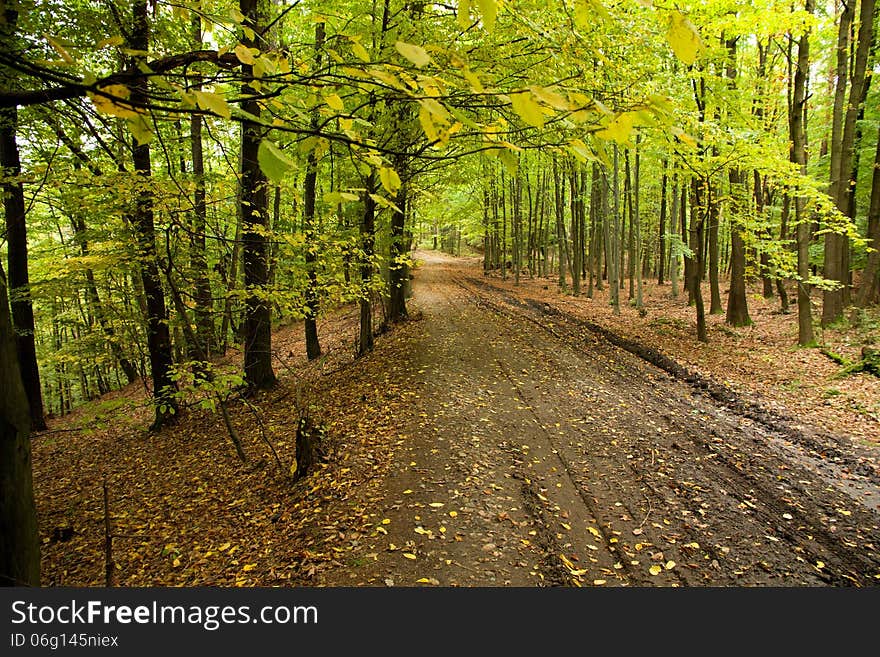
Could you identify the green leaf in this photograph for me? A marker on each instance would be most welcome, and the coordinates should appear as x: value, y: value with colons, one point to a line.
x: 415, y: 54
x: 683, y: 38
x: 528, y: 110
x: 488, y: 10
x: 273, y: 161
x: 334, y: 198
x: 141, y: 129
x: 213, y: 103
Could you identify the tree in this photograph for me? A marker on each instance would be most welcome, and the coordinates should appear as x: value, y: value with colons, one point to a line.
x: 19, y: 540
x: 16, y: 235
x: 253, y: 201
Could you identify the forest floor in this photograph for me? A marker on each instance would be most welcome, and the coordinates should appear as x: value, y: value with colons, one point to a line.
x: 505, y: 436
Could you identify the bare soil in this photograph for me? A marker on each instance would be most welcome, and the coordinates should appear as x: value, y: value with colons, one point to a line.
x: 536, y: 452
x: 501, y: 437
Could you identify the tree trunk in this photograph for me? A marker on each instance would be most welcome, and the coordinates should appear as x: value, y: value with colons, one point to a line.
x: 158, y: 335
x: 368, y: 228
x: 313, y: 345
x: 398, y: 269
x: 661, y: 265
x: 17, y: 254
x: 799, y: 156
x: 869, y: 289
x: 204, y: 303
x: 19, y: 538
x: 614, y: 233
x: 255, y: 223
x: 843, y: 137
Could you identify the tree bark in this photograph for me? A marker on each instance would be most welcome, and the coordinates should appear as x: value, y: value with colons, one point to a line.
x: 19, y: 538
x: 158, y: 335
x: 17, y: 254
x: 313, y: 345
x: 204, y: 304
x: 258, y: 370
x: 869, y: 289
x: 799, y: 156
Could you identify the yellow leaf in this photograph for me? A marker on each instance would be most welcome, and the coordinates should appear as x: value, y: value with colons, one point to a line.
x: 452, y: 514
x: 390, y: 181
x: 359, y: 51
x: 427, y: 123
x: 248, y: 567
x: 415, y: 54
x: 598, y: 582
x: 551, y: 98
x: 334, y: 102
x: 567, y: 526
x: 820, y: 565
x: 382, y: 530
x: 619, y: 130
x: 670, y: 565
x: 386, y: 521
x: 245, y: 55
x: 224, y: 547
x: 594, y: 532
x: 526, y: 108
x: 59, y: 49
x: 473, y: 79
x: 655, y: 570
x: 408, y: 491
x: 488, y: 10
x: 109, y: 106
x: 683, y: 38
x: 176, y: 563
x: 409, y: 555
x: 436, y: 505
x: 464, y: 14
x: 213, y: 103
x: 109, y: 41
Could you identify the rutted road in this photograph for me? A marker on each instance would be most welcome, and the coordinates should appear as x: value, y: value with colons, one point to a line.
x: 537, y: 453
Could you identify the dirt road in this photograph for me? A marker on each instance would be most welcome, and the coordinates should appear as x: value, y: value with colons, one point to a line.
x: 536, y: 453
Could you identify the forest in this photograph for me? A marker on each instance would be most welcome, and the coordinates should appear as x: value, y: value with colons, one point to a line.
x: 249, y: 247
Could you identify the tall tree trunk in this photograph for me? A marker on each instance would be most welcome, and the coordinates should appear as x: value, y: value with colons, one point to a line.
x: 19, y: 538
x: 204, y: 303
x: 664, y: 180
x: 16, y: 234
x: 368, y: 228
x: 559, y: 204
x: 637, y: 222
x: 699, y: 206
x: 255, y: 223
x: 869, y: 289
x: 846, y: 112
x: 398, y: 269
x: 17, y: 254
x: 614, y: 233
x: 158, y: 335
x: 803, y: 223
x: 313, y: 345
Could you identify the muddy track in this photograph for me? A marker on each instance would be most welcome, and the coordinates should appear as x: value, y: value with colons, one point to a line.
x: 829, y: 445
x: 798, y: 517
x: 537, y: 449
